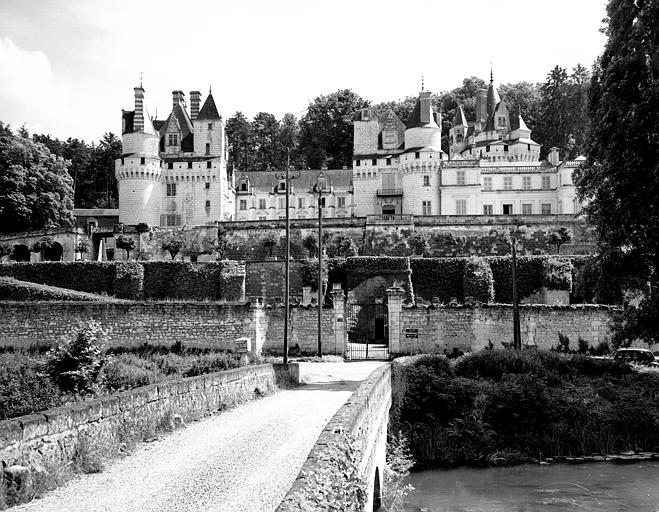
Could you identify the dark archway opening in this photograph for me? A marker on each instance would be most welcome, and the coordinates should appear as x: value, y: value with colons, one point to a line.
x: 377, y: 493
x: 21, y: 253
x: 53, y: 253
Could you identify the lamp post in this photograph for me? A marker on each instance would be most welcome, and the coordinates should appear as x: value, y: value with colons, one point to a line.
x: 517, y: 338
x: 320, y: 185
x: 288, y: 178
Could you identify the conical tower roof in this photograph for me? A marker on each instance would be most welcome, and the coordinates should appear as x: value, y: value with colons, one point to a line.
x: 209, y: 110
x: 493, y: 98
x: 459, y: 119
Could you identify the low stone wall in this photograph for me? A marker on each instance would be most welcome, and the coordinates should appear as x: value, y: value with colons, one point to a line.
x: 349, y: 455
x: 303, y: 331
x: 198, y: 324
x: 443, y: 328
x: 50, y: 439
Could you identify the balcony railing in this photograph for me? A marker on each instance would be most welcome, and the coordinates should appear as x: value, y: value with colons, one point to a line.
x: 390, y: 192
x: 389, y: 219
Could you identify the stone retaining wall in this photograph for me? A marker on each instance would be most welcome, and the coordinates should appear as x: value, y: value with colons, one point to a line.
x: 51, y: 438
x: 349, y: 454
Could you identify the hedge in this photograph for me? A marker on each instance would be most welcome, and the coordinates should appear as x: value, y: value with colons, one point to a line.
x: 129, y: 280
x: 12, y: 289
x: 438, y: 277
x: 361, y: 268
x: 478, y: 284
x: 84, y: 276
x: 185, y: 280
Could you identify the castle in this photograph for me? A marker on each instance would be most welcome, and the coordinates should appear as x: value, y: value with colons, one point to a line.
x: 173, y: 172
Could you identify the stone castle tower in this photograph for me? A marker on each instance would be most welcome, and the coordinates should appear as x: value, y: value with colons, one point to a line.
x: 173, y: 172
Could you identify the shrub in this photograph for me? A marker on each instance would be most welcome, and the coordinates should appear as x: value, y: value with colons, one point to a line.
x: 75, y: 361
x: 129, y: 371
x: 529, y: 276
x: 84, y: 276
x: 126, y: 243
x: 478, y: 283
x: 24, y: 386
x: 12, y: 289
x: 5, y: 249
x: 184, y: 280
x: 172, y: 245
x: 557, y: 274
x: 419, y: 243
x: 129, y: 280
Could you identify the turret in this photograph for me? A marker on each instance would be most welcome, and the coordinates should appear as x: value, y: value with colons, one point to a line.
x: 458, y: 132
x: 208, y: 130
x: 422, y: 129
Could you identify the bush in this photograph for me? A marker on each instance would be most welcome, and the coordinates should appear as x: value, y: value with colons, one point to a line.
x: 361, y: 268
x: 478, y: 283
x: 529, y: 276
x: 557, y: 274
x: 25, y: 386
x: 75, y: 361
x: 84, y: 276
x: 129, y: 280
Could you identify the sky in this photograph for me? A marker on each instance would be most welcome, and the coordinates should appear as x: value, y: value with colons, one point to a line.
x: 68, y: 67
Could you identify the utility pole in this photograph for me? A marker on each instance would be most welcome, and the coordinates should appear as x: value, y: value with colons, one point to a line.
x: 321, y: 183
x: 288, y: 178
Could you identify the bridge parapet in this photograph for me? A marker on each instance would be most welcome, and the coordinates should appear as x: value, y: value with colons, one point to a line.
x: 344, y: 468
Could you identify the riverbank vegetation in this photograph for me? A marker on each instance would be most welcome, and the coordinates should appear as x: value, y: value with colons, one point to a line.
x: 505, y: 407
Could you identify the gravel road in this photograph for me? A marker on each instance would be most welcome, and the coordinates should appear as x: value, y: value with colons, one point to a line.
x: 242, y: 460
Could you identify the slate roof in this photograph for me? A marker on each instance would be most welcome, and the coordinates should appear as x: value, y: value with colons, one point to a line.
x: 459, y: 117
x: 415, y: 119
x: 266, y: 181
x: 209, y: 110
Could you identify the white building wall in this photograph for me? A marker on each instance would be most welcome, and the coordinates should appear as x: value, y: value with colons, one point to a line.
x: 140, y: 190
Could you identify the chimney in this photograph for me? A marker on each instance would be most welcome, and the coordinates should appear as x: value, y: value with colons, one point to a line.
x: 195, y: 98
x: 178, y: 97
x: 138, y: 120
x: 426, y: 108
x: 553, y: 156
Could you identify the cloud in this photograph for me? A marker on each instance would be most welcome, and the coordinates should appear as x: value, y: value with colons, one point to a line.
x: 24, y: 74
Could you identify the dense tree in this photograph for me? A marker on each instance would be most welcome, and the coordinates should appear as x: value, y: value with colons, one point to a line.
x: 265, y: 130
x: 402, y: 108
x: 522, y: 98
x: 289, y: 142
x: 36, y: 191
x: 326, y: 129
x: 240, y: 140
x: 563, y: 121
x: 126, y: 243
x: 620, y: 180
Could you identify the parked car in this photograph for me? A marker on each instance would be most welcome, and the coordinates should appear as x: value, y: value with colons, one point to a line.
x: 636, y: 355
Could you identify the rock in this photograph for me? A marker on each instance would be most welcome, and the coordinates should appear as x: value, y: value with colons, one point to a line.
x: 18, y: 479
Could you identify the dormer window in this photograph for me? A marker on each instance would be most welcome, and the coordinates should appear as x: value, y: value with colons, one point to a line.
x: 281, y: 186
x: 208, y: 148
x: 502, y: 121
x: 365, y: 114
x: 210, y: 126
x: 417, y: 154
x: 243, y: 186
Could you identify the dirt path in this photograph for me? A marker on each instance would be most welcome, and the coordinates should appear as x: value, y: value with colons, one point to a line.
x: 242, y: 460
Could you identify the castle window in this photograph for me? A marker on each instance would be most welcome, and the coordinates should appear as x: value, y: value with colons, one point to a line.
x: 171, y: 220
x: 388, y: 161
x: 208, y: 148
x: 507, y: 182
x: 426, y: 181
x: 460, y: 177
x: 208, y: 185
x: 170, y: 165
x: 210, y: 126
x: 502, y: 122
x: 426, y: 207
x: 301, y: 202
x: 528, y: 147
x: 358, y: 162
x: 243, y: 204
x: 488, y: 209
x: 341, y: 202
x: 461, y: 207
x: 243, y: 186
x: 262, y: 204
x: 282, y: 203
x: 527, y: 209
x: 173, y: 139
x: 526, y: 182
x: 546, y: 182
x: 209, y: 165
x: 262, y: 217
x: 322, y: 202
x: 142, y: 160
x: 417, y: 154
x: 487, y: 183
x: 487, y: 148
x: 189, y: 165
x: 208, y: 204
x: 374, y: 161
x: 458, y: 138
x: 281, y: 185
x: 545, y: 208
x: 171, y: 189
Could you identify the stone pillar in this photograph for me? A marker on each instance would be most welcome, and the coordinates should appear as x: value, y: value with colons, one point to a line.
x: 394, y: 306
x: 338, y: 300
x: 259, y: 326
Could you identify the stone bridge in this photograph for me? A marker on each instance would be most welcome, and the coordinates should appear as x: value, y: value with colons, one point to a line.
x: 345, y: 467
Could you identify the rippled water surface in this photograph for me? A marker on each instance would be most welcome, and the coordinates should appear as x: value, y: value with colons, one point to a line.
x: 601, y: 487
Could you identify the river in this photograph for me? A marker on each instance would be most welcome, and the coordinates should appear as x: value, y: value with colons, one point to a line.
x: 600, y: 487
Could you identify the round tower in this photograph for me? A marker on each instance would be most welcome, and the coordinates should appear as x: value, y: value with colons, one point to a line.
x: 420, y: 181
x: 139, y: 170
